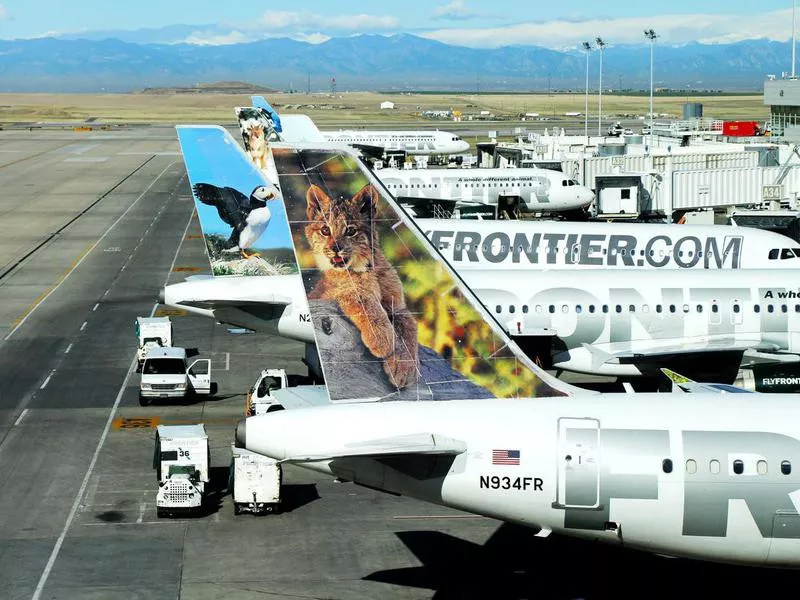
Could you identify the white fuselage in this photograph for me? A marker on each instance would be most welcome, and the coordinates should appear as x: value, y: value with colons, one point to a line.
x: 658, y: 472
x: 585, y: 313
x: 411, y: 142
x: 528, y: 245
x: 539, y: 190
x: 590, y: 313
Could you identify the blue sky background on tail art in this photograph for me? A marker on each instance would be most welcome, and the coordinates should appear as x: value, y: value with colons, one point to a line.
x: 465, y: 22
x: 208, y: 162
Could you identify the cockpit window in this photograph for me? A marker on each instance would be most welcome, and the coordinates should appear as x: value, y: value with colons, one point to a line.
x: 784, y: 253
x: 564, y: 183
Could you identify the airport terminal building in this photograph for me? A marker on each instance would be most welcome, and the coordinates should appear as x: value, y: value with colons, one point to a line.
x: 783, y: 98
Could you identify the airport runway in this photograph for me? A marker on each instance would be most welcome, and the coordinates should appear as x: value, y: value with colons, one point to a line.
x: 86, y: 245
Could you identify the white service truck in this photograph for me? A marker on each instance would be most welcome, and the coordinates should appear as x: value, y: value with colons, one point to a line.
x: 166, y: 374
x: 255, y: 482
x: 181, y: 459
x: 152, y: 332
x: 259, y: 398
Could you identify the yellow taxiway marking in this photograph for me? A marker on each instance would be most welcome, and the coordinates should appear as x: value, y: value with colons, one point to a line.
x: 194, y: 237
x: 43, y: 296
x: 186, y: 269
x: 171, y: 312
x: 136, y: 423
x: 153, y: 422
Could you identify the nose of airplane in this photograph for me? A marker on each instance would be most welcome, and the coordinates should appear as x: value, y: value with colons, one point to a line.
x: 586, y: 197
x: 462, y: 146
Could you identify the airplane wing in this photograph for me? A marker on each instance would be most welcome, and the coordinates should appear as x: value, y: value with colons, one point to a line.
x: 601, y: 356
x: 755, y: 357
x: 428, y: 208
x: 416, y: 444
x: 689, y: 385
x: 370, y: 150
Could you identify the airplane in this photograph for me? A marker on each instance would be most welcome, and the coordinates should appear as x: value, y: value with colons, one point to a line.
x: 441, y: 192
x: 408, y: 141
x: 417, y: 142
x: 525, y: 190
x: 700, y: 322
x: 533, y: 245
x: 684, y: 475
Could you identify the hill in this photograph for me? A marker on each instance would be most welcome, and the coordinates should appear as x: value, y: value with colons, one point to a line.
x: 372, y: 62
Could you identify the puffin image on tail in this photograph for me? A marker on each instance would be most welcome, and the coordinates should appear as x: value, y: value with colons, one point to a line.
x: 248, y: 217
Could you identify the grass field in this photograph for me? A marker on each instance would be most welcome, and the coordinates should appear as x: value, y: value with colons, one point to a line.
x: 356, y: 108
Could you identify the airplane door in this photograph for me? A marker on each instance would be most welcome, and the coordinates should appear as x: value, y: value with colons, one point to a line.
x: 578, y: 463
x: 200, y: 376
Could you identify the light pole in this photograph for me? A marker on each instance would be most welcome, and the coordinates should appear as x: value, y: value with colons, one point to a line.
x: 651, y: 35
x: 794, y: 12
x: 600, y: 45
x: 587, y: 47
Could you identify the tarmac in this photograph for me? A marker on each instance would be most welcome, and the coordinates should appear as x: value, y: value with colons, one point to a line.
x: 93, y: 225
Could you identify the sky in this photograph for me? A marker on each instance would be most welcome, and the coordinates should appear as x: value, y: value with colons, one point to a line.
x: 462, y: 22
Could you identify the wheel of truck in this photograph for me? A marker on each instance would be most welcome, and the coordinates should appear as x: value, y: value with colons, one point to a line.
x: 236, y: 509
x: 144, y: 401
x: 161, y: 512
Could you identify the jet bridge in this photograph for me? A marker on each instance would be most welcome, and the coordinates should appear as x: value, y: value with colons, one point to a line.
x: 623, y: 196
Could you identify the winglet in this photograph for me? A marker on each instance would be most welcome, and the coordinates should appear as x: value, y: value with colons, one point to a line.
x: 676, y: 378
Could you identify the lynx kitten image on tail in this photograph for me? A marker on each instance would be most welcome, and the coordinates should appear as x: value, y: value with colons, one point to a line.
x: 356, y: 274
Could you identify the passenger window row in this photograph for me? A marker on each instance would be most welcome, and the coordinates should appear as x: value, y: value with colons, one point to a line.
x: 645, y: 308
x: 737, y: 466
x: 397, y: 186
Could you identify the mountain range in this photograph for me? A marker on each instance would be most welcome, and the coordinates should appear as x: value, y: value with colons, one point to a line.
x: 375, y: 62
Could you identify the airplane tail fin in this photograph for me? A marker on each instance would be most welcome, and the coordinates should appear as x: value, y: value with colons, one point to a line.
x: 261, y: 103
x: 392, y: 320
x: 241, y: 213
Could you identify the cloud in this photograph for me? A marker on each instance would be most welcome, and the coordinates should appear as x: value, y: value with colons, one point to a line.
x: 3, y: 13
x: 455, y: 10
x: 302, y: 22
x: 672, y: 29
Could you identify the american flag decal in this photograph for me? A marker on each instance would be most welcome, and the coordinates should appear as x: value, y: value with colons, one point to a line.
x: 505, y: 457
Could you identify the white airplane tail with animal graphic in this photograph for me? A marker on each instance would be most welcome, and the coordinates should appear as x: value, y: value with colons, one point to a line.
x: 391, y: 318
